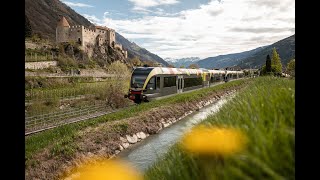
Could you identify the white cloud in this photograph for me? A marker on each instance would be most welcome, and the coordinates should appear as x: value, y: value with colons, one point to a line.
x: 93, y: 19
x: 72, y: 4
x: 105, y: 14
x: 142, y: 5
x: 215, y: 28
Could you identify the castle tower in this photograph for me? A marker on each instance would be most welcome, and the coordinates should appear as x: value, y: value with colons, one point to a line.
x: 62, y: 30
x: 111, y: 37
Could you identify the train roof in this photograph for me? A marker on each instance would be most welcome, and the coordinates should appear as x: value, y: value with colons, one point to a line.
x: 165, y: 70
x: 152, y: 71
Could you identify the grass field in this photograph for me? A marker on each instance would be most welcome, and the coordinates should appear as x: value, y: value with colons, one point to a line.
x: 265, y: 112
x: 48, y: 100
x: 68, y: 91
x: 63, y: 137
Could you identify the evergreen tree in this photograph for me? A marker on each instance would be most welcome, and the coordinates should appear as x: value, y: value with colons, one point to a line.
x: 263, y: 70
x: 276, y: 65
x: 291, y: 67
x: 268, y: 64
x: 27, y: 28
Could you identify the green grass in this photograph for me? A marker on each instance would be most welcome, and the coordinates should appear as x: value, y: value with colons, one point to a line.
x: 265, y: 110
x: 47, y: 100
x: 67, y: 133
x: 68, y: 91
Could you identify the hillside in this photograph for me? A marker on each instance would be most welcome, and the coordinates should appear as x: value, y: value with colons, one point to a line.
x: 44, y: 15
x: 227, y: 60
x: 135, y: 50
x: 285, y: 48
x: 183, y: 61
x: 254, y: 58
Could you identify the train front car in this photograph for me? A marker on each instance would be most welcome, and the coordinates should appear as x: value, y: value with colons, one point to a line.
x: 137, y: 84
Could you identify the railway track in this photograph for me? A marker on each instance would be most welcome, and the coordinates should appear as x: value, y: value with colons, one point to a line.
x: 70, y: 121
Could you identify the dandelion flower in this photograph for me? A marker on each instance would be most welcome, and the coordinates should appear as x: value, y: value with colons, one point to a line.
x: 214, y: 141
x: 106, y: 170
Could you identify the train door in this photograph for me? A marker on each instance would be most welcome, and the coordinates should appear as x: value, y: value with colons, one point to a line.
x: 180, y: 84
x: 226, y: 77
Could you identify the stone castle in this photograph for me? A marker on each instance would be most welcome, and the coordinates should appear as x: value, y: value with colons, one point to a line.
x: 87, y: 37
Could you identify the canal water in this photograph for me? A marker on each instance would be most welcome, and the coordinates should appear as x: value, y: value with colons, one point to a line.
x: 142, y: 155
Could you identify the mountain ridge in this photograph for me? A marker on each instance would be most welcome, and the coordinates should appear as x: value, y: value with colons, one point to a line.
x: 254, y: 58
x: 285, y: 48
x: 226, y: 60
x: 178, y: 62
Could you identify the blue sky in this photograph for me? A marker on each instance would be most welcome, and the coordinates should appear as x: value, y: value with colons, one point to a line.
x: 193, y: 28
x: 124, y: 9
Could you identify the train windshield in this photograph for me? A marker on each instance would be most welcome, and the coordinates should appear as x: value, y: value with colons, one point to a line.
x: 138, y: 81
x: 139, y: 76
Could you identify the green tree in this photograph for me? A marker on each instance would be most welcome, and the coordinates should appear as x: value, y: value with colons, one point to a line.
x: 194, y: 66
x: 27, y: 28
x: 171, y: 66
x: 268, y: 64
x: 263, y: 70
x: 291, y: 66
x: 276, y: 65
x: 182, y: 66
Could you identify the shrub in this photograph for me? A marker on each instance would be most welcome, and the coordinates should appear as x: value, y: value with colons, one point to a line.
x: 291, y: 67
x: 66, y: 64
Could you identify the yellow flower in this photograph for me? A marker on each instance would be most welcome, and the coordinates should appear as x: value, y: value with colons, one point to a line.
x: 214, y: 141
x: 106, y: 170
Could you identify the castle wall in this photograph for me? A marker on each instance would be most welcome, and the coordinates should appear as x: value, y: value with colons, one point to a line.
x: 62, y: 34
x: 89, y: 39
x: 89, y: 36
x: 75, y: 34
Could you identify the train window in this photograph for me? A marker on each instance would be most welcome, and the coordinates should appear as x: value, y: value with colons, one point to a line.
x: 138, y: 81
x: 158, y: 82
x: 151, y: 83
x: 189, y: 82
x: 169, y: 81
x: 139, y: 76
x: 215, y: 78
